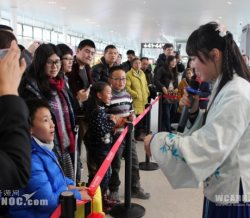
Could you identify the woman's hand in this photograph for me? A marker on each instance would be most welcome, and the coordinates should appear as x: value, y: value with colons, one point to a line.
x: 147, y: 140
x: 185, y: 101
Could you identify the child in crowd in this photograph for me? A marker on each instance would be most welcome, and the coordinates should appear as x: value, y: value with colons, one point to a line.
x: 121, y: 105
x: 47, y: 179
x: 98, y: 138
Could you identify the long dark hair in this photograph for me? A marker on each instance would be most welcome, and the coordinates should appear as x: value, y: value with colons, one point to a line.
x: 37, y: 68
x: 207, y: 37
x: 93, y: 101
x: 173, y: 71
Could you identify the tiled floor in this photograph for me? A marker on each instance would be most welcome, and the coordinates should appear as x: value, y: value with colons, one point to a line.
x: 165, y: 202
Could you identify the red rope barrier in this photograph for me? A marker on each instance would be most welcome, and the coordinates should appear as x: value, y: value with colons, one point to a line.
x: 179, y: 97
x: 106, y: 163
x: 100, y: 173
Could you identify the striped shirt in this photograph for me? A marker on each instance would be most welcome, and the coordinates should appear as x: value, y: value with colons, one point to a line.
x: 121, y: 103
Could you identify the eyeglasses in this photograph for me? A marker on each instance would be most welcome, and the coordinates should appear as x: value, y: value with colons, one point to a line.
x: 119, y: 79
x: 56, y: 62
x: 68, y: 59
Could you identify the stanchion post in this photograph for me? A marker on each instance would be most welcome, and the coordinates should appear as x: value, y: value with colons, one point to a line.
x: 128, y: 165
x: 68, y: 204
x: 147, y: 165
x: 76, y: 130
x: 128, y: 209
x: 160, y: 113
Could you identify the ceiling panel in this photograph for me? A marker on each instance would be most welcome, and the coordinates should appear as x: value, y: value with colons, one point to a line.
x: 133, y: 20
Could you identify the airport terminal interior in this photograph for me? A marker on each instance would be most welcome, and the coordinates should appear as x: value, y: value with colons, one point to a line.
x: 144, y: 26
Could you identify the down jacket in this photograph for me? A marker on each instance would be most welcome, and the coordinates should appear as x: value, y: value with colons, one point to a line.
x: 137, y: 87
x: 45, y: 185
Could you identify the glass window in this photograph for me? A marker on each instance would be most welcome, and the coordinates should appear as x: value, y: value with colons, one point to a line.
x: 60, y: 37
x: 27, y: 31
x: 73, y: 40
x: 38, y: 33
x: 68, y: 39
x: 54, y: 37
x: 78, y: 40
x: 5, y: 22
x: 46, y: 35
x: 19, y: 29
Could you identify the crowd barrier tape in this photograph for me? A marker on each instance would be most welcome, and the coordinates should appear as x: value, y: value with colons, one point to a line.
x: 99, y: 175
x: 107, y: 162
x: 138, y: 119
x: 177, y: 97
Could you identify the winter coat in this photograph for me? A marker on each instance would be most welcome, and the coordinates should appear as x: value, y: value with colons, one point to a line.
x: 100, y: 72
x: 45, y: 185
x: 137, y: 87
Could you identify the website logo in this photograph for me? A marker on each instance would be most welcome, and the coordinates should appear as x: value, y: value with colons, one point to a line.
x: 23, y: 200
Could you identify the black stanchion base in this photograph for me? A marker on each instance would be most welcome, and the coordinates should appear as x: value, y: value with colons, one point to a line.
x: 150, y: 166
x: 120, y: 211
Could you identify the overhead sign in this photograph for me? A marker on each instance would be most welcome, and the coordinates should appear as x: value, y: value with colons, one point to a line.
x: 152, y: 45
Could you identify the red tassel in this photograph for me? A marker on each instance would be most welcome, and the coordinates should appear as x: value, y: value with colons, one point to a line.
x: 96, y: 215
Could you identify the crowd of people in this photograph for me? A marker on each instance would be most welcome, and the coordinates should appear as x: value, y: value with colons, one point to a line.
x: 62, y: 89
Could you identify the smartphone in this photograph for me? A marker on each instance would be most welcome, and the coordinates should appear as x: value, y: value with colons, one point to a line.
x: 3, y: 52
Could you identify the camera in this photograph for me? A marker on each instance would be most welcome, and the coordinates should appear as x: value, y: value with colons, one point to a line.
x: 192, y: 91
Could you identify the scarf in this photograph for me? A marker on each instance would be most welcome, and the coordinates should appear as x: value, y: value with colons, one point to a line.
x: 58, y: 85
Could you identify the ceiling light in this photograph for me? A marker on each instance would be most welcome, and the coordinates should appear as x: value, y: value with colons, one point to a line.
x: 229, y: 2
x: 63, y: 8
x: 220, y: 17
x: 52, y: 2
